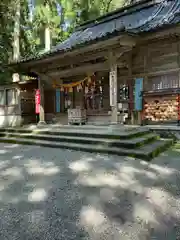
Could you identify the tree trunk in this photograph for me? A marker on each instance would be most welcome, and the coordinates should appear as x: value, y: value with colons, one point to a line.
x: 47, y: 34
x: 47, y: 39
x: 16, y: 35
x: 62, y: 23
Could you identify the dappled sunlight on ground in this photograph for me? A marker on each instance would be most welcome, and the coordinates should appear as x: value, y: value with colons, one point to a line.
x: 12, y: 172
x: 38, y: 194
x: 61, y: 194
x: 11, y: 146
x: 4, y: 164
x: 138, y: 184
x: 164, y: 171
x: 34, y: 167
x: 18, y: 157
x: 80, y: 166
x: 3, y: 151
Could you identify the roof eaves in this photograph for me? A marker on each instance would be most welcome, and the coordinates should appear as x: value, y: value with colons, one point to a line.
x: 118, y: 13
x: 78, y: 46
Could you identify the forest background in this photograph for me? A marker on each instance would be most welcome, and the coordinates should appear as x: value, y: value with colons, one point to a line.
x: 26, y: 26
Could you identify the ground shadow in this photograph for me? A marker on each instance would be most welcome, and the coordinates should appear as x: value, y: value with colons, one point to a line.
x: 61, y: 194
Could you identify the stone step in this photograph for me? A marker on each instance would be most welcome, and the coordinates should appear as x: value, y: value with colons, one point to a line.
x: 60, y: 126
x: 96, y: 133
x: 126, y: 143
x: 146, y: 152
x: 154, y: 149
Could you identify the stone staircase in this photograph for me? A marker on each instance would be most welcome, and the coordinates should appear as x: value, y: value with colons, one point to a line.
x: 124, y: 141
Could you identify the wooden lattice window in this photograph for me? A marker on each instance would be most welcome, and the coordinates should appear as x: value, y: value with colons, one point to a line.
x: 163, y: 82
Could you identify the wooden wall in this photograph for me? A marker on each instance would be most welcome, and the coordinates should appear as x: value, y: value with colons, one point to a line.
x: 49, y: 101
x: 27, y: 96
x: 156, y: 57
x: 158, y: 62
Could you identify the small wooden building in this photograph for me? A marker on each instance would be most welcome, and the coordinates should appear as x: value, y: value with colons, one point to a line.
x: 121, y: 67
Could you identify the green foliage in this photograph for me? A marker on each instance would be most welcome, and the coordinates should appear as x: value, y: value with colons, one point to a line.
x: 61, y: 24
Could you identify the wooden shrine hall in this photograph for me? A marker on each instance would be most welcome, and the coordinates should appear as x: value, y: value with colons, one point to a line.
x: 123, y: 67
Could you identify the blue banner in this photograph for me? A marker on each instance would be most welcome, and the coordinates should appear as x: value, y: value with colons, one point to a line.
x: 138, y: 94
x: 58, y: 99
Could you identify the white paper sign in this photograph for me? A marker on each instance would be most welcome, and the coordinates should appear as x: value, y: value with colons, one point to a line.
x: 113, y: 88
x: 15, y: 77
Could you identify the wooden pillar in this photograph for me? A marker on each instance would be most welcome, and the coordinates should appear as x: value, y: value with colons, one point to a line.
x: 62, y: 102
x: 113, y: 88
x: 82, y: 104
x: 130, y: 87
x: 145, y: 83
x: 71, y: 97
x: 41, y: 113
x: 178, y: 95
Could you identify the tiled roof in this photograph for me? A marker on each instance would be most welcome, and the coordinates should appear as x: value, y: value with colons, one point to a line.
x: 143, y: 17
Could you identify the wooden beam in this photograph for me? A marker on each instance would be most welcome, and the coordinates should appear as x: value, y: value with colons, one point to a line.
x: 111, y: 58
x: 124, y: 50
x: 71, y: 68
x: 160, y: 34
x: 61, y: 55
x: 156, y: 73
x: 70, y: 61
x: 80, y: 70
x: 44, y: 78
x: 117, y: 55
x: 128, y: 41
x: 83, y: 50
x: 84, y: 58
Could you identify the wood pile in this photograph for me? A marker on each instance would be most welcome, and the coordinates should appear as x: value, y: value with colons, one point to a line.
x: 161, y: 108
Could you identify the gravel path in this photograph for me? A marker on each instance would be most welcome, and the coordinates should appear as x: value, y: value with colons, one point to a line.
x: 59, y: 194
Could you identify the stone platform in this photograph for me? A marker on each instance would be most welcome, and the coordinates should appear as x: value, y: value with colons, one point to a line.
x: 166, y: 131
x: 121, y: 140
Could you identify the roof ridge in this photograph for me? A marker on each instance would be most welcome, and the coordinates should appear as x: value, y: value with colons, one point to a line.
x: 118, y: 13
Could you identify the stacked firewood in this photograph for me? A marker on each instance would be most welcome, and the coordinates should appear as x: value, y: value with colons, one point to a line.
x: 161, y: 109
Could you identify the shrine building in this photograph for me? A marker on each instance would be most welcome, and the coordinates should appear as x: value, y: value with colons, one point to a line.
x: 123, y: 67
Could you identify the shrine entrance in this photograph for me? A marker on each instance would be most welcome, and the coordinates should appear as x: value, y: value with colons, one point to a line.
x: 96, y: 94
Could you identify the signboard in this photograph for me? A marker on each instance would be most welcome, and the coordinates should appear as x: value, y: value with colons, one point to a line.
x: 37, y: 101
x: 58, y: 99
x: 138, y: 94
x: 113, y: 88
x: 15, y: 77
